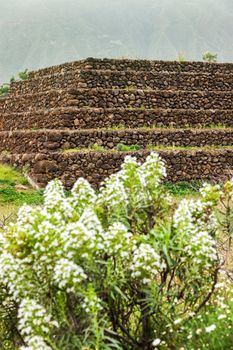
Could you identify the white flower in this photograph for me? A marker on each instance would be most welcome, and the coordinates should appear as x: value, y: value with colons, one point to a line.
x: 146, y: 263
x: 156, y: 342
x: 67, y: 274
x: 178, y: 320
x: 83, y: 195
x: 221, y: 317
x: 210, y: 329
x: 116, y: 240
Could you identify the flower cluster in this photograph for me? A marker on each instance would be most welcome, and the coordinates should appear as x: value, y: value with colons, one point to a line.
x: 134, y: 183
x: 201, y: 248
x: 152, y: 171
x: 146, y: 263
x: 117, y: 240
x: 35, y: 343
x: 81, y: 256
x: 34, y: 316
x: 68, y: 275
x: 112, y: 193
x: 195, y: 225
x: 83, y: 195
x: 34, y: 319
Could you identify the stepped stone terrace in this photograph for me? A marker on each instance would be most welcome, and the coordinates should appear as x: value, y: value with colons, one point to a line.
x: 68, y: 120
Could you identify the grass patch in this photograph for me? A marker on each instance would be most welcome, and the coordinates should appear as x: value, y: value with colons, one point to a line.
x: 11, y: 177
x: 10, y: 195
x: 151, y: 147
x: 126, y: 148
x: 15, y: 190
x: 183, y: 188
x: 171, y: 126
x: 94, y: 147
x: 132, y: 148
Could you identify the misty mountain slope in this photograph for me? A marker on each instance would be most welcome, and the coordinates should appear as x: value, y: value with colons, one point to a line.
x: 39, y: 33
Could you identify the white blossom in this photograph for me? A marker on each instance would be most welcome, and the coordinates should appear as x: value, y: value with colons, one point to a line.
x: 156, y: 342
x: 56, y: 250
x: 211, y: 328
x: 68, y: 275
x: 146, y: 263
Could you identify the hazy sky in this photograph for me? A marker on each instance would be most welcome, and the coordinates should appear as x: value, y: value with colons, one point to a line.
x: 38, y: 33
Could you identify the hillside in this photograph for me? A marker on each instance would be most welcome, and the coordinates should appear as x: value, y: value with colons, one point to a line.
x: 39, y: 33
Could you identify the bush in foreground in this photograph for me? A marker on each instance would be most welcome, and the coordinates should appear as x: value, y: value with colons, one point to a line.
x: 113, y: 269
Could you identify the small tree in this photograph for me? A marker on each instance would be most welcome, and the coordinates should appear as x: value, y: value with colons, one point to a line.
x: 113, y: 269
x: 209, y: 57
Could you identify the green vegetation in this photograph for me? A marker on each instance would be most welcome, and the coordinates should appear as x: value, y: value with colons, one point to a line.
x: 130, y: 88
x: 93, y: 147
x: 118, y: 127
x: 183, y: 188
x: 185, y: 148
x: 126, y: 148
x: 181, y: 58
x: 150, y: 147
x: 23, y: 75
x: 170, y: 126
x: 10, y: 176
x: 142, y: 107
x: 122, y: 268
x: 209, y: 57
x: 15, y: 191
x: 9, y: 195
x: 5, y: 87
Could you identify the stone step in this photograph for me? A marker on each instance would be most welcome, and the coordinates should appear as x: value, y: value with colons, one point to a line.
x: 125, y: 80
x: 67, y: 140
x: 32, y: 102
x: 182, y: 165
x: 108, y: 98
x: 86, y: 118
x: 150, y: 99
x: 135, y: 65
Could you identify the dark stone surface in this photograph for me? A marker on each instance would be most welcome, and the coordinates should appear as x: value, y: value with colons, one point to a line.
x: 43, y: 140
x: 96, y: 166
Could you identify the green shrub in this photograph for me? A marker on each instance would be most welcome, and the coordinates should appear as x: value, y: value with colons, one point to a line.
x: 181, y: 58
x: 23, y: 75
x: 4, y: 89
x: 209, y: 57
x: 120, y: 268
x: 127, y: 148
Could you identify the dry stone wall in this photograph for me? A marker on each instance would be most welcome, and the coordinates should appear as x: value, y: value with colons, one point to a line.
x: 181, y: 165
x: 55, y: 140
x: 125, y: 80
x: 44, y: 100
x: 135, y: 65
x: 83, y: 118
x: 117, y: 98
x: 102, y: 98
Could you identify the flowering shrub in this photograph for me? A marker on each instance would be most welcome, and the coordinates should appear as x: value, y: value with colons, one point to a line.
x: 115, y: 269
